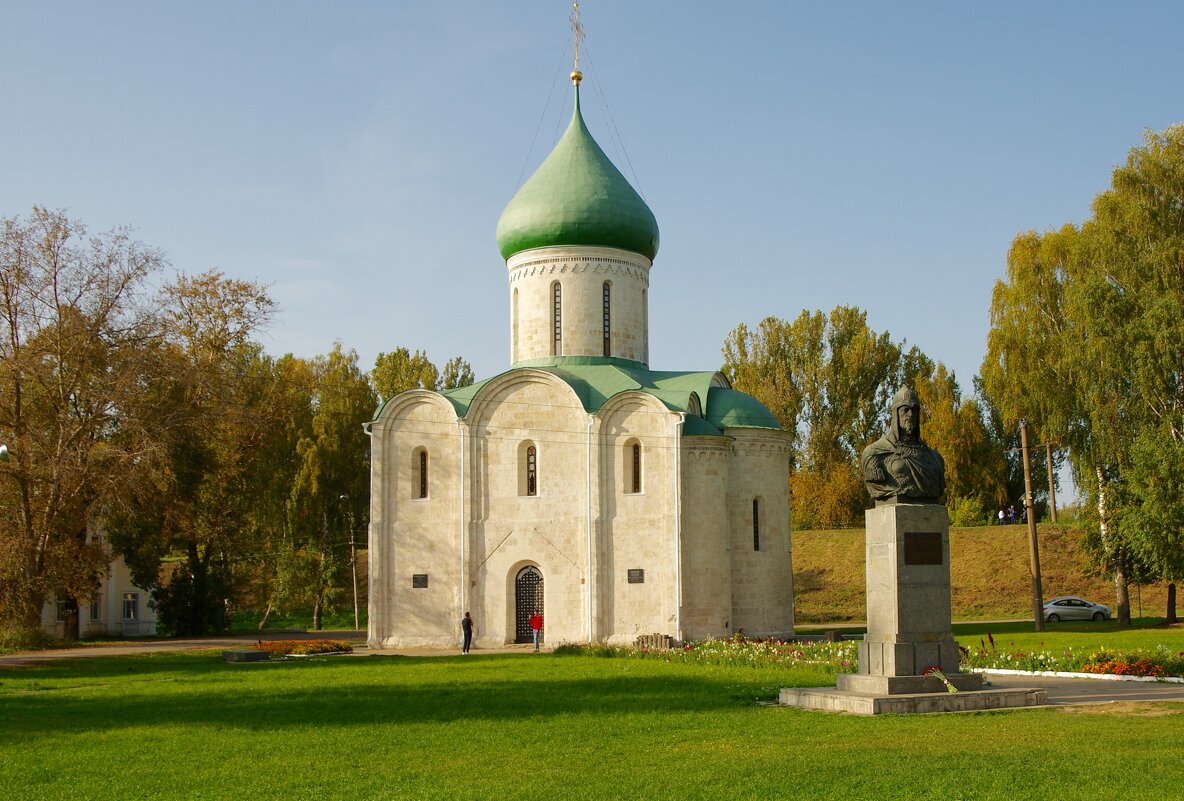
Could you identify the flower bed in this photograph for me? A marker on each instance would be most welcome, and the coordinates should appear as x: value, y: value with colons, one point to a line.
x: 739, y: 651
x: 1160, y: 662
x: 303, y: 647
x: 842, y: 657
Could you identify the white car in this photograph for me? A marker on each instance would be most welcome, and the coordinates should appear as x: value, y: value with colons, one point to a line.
x: 1069, y: 607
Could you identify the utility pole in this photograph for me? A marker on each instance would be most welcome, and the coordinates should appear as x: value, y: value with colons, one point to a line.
x: 1052, y: 492
x: 1033, y: 545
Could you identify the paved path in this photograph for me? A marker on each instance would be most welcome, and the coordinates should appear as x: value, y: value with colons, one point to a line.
x: 1061, y: 692
x: 1065, y: 692
x: 132, y: 647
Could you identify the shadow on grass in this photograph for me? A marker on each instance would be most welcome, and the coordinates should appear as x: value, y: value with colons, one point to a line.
x: 200, y: 690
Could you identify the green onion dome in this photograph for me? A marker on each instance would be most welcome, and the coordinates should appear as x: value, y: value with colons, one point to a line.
x: 577, y: 196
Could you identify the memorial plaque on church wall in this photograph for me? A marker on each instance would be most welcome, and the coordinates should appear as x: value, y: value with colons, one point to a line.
x: 923, y: 548
x: 636, y: 575
x: 419, y: 581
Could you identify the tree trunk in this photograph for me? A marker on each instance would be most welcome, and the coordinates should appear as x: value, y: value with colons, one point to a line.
x: 266, y: 615
x: 318, y: 603
x: 1121, y: 592
x: 70, y: 624
x: 1172, y: 603
x: 195, y: 613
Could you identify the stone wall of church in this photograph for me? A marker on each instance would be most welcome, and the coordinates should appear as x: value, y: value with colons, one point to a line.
x: 581, y: 274
x: 411, y: 535
x: 762, y: 564
x: 706, y: 538
x: 636, y: 554
x: 513, y: 529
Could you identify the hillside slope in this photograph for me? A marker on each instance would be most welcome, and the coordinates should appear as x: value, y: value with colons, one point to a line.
x: 989, y: 574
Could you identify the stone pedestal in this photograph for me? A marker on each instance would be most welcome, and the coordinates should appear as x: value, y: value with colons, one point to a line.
x: 907, y: 554
x: 908, y: 627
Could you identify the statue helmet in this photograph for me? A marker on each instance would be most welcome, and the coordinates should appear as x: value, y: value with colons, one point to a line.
x: 905, y: 397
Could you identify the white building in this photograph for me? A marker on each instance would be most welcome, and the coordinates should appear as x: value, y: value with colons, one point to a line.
x: 617, y: 500
x: 118, y: 608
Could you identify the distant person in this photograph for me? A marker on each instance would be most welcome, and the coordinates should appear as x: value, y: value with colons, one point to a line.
x: 1011, y: 514
x: 1002, y: 514
x: 536, y: 626
x: 466, y: 625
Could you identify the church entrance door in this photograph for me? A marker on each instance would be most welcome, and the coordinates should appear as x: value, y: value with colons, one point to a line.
x: 528, y: 599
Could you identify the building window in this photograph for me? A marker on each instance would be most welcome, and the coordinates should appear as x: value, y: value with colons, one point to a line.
x: 419, y: 469
x: 556, y: 320
x: 95, y: 609
x: 606, y: 301
x: 532, y: 470
x: 514, y: 327
x: 63, y: 607
x: 131, y: 606
x: 633, y: 467
x: 756, y: 524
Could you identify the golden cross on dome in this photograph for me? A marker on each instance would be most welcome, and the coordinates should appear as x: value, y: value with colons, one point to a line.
x: 577, y: 31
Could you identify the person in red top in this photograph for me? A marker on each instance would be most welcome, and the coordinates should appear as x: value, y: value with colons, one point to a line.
x: 536, y: 625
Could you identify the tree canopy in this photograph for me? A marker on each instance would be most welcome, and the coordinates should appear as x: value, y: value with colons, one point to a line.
x: 1086, y: 343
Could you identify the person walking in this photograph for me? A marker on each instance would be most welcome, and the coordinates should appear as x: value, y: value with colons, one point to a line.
x: 466, y: 626
x: 536, y: 626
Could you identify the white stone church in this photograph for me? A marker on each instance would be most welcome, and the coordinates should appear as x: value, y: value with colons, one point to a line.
x: 615, y: 500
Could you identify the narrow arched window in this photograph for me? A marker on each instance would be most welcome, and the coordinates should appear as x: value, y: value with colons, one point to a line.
x: 514, y: 327
x: 606, y: 302
x: 756, y: 524
x: 556, y: 319
x: 632, y: 467
x: 532, y: 470
x: 419, y: 473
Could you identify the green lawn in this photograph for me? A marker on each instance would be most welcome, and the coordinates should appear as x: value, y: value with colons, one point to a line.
x: 523, y: 726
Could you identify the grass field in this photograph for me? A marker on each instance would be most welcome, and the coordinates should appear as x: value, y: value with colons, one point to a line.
x: 512, y: 726
x: 989, y: 574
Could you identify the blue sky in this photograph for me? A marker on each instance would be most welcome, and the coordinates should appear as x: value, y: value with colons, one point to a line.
x: 355, y: 156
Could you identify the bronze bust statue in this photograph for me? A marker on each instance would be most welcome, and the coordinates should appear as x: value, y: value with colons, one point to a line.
x: 899, y: 467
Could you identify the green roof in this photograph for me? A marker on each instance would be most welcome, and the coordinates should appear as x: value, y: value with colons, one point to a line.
x: 596, y: 379
x: 577, y: 196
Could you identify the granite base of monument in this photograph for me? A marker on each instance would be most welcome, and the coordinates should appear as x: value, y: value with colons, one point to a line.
x: 856, y: 703
x: 909, y: 635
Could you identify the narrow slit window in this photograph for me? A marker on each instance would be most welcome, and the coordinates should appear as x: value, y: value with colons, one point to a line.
x: 635, y: 473
x: 423, y: 474
x: 532, y: 470
x: 606, y: 293
x: 514, y: 327
x: 756, y: 524
x: 556, y: 319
